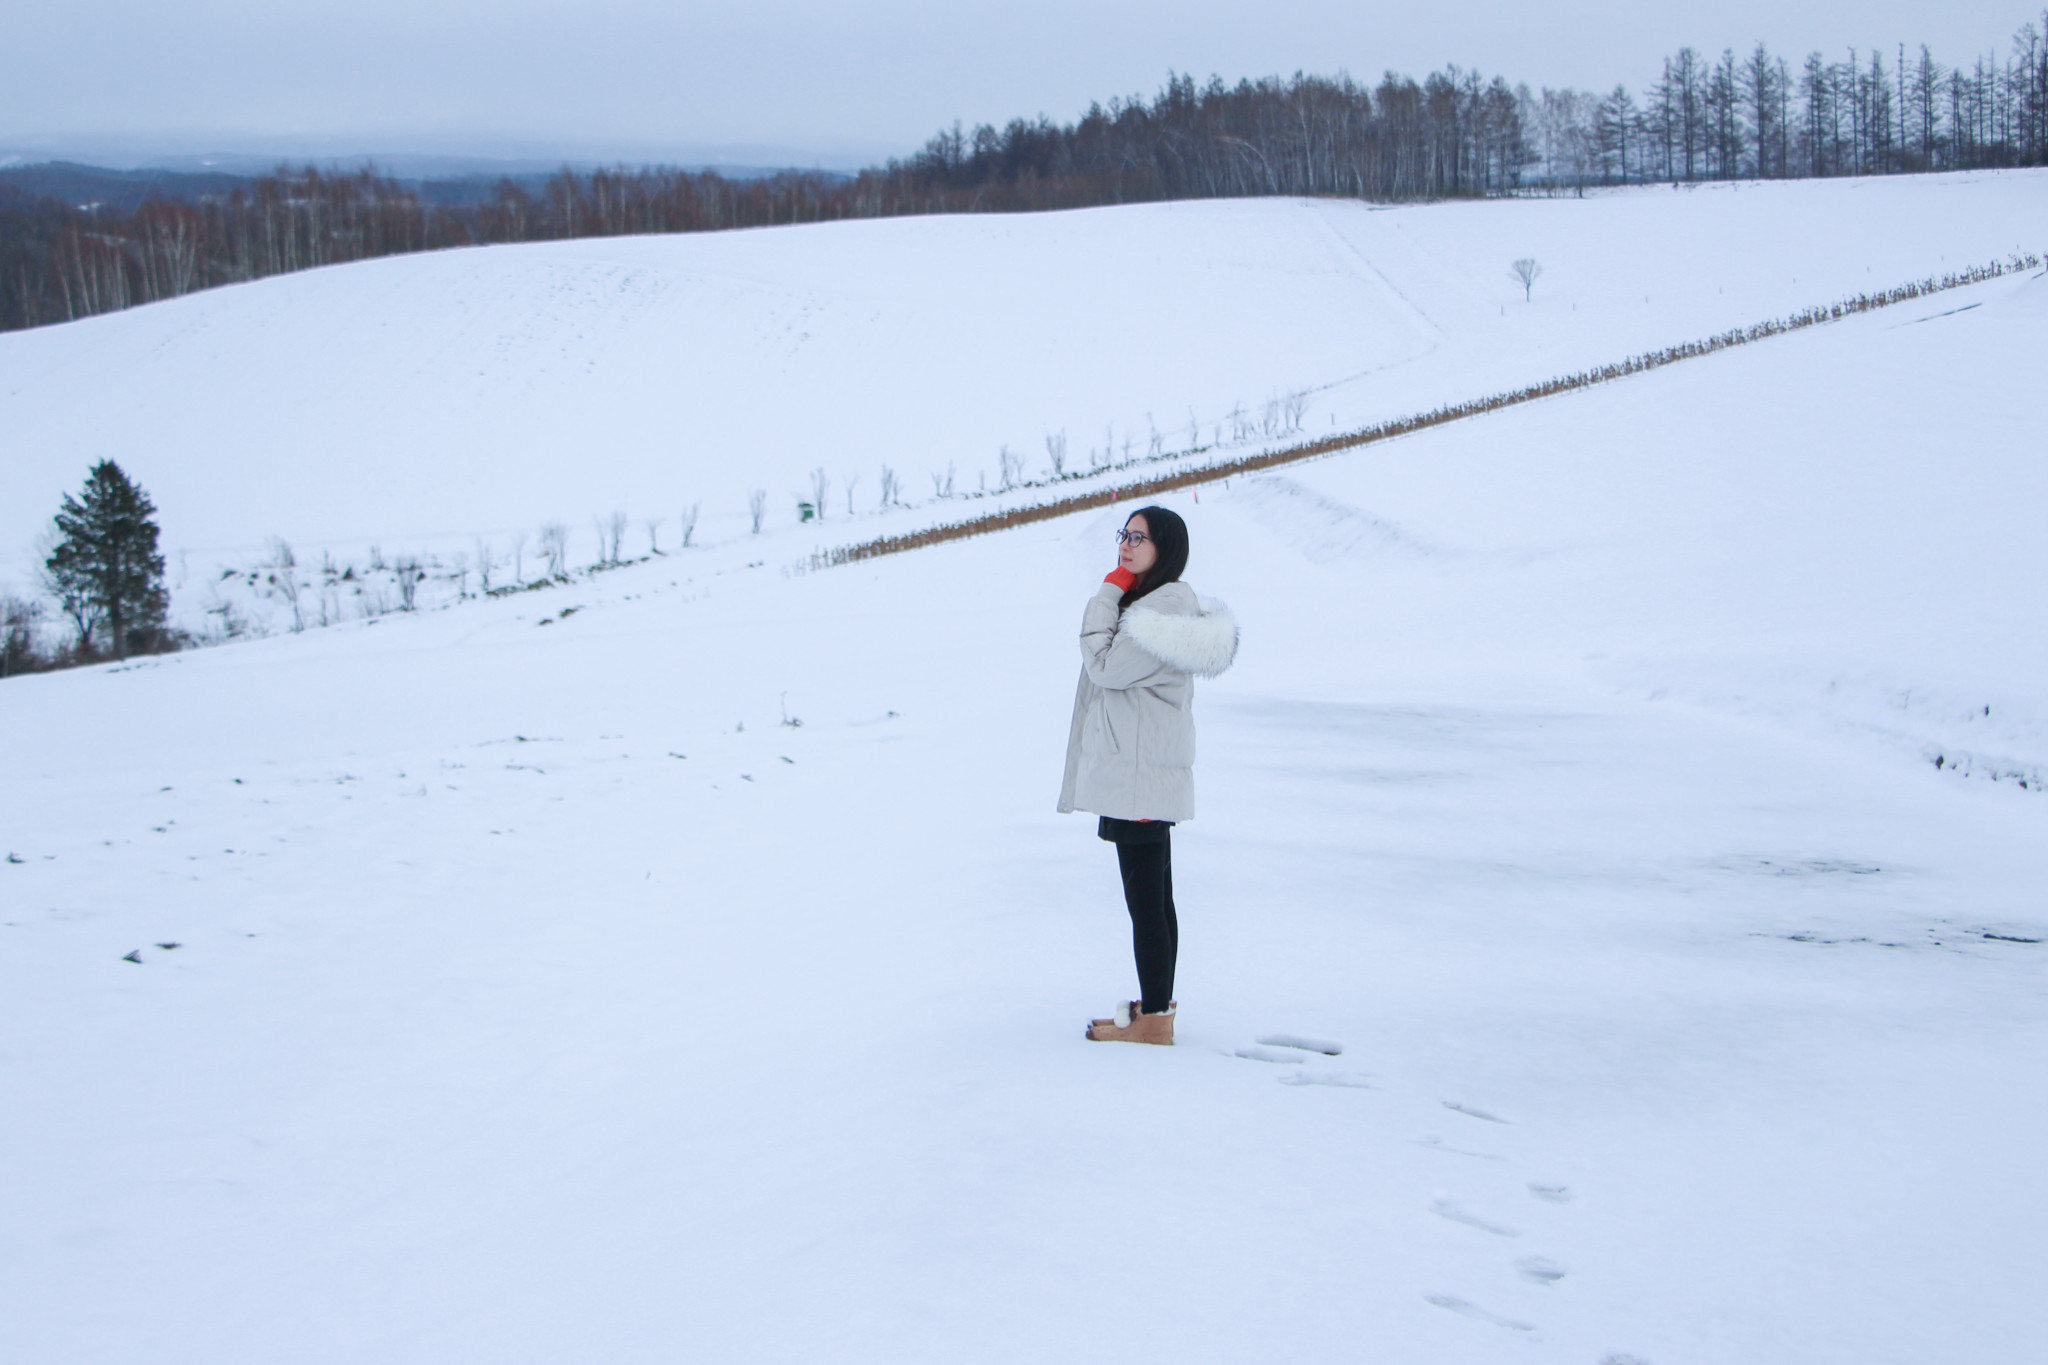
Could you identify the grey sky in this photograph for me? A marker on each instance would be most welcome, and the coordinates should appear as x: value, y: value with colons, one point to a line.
x: 835, y: 82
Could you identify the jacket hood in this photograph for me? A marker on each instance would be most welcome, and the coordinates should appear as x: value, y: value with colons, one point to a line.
x: 1204, y: 643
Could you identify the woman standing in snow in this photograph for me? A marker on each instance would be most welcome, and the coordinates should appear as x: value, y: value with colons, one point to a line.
x: 1145, y: 638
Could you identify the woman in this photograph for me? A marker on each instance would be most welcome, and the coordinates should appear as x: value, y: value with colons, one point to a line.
x: 1145, y: 638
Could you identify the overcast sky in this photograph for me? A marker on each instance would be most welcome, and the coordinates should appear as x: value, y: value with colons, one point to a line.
x: 831, y: 83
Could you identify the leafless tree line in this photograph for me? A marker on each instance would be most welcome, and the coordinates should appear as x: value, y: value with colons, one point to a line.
x: 1453, y: 133
x: 58, y: 262
x: 1011, y: 517
x: 1756, y: 117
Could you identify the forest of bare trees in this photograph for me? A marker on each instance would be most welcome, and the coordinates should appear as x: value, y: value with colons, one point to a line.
x: 1453, y: 134
x: 1756, y: 117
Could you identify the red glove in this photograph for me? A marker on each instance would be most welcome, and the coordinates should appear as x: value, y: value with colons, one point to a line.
x: 1124, y: 579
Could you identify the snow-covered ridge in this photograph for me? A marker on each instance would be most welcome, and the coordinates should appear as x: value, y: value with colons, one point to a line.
x: 443, y: 405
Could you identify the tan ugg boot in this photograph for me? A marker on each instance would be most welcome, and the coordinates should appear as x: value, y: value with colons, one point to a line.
x: 1132, y: 1025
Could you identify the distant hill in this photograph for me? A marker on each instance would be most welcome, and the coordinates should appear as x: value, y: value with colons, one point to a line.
x: 122, y: 191
x: 418, y: 401
x: 76, y: 185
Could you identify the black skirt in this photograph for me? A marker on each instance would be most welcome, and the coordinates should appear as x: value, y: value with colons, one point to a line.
x: 1132, y: 831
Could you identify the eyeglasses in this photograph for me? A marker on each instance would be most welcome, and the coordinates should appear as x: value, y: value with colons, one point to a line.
x: 1132, y: 538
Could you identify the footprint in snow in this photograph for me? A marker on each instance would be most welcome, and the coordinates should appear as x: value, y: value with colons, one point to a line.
x: 1468, y: 1110
x: 1472, y: 1310
x: 1541, y: 1269
x: 1436, y: 1143
x: 1305, y: 1044
x: 1447, y: 1208
x: 1556, y: 1194
x: 1293, y: 1044
x: 1353, y: 1080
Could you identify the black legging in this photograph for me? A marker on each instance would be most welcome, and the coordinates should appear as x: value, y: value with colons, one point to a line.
x: 1155, y: 931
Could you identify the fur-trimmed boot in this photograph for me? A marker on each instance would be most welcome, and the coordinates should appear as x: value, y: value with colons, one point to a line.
x: 1133, y: 1025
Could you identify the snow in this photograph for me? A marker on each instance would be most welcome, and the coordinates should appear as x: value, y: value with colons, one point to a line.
x: 421, y: 403
x: 541, y: 994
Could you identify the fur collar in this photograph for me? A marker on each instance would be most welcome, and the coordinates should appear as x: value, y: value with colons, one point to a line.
x: 1203, y: 642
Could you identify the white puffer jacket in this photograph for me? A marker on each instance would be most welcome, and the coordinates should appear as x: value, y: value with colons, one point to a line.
x: 1131, y: 749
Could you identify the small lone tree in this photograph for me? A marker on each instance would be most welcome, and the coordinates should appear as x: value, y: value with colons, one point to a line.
x: 18, y: 617
x: 1525, y: 272
x: 411, y: 573
x: 105, y: 567
x: 284, y: 579
x: 554, y: 546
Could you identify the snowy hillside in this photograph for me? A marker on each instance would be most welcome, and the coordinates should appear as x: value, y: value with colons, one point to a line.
x: 685, y: 963
x: 443, y: 404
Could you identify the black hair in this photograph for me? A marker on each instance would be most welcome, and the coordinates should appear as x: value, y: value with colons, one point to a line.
x: 1170, y: 538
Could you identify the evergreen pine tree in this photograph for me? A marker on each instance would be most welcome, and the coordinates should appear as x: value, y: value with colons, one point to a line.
x: 106, y: 568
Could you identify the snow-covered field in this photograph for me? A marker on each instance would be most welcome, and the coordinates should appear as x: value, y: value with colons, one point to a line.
x: 441, y: 406
x: 541, y: 994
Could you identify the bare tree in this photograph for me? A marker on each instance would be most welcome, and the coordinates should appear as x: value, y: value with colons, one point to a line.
x: 888, y: 488
x: 18, y: 617
x: 409, y: 573
x: 1056, y: 453
x: 653, y: 525
x: 484, y: 564
x: 1012, y: 467
x: 554, y: 546
x: 1156, y: 445
x: 519, y: 558
x: 1525, y: 272
x: 284, y: 579
x: 611, y: 534
x: 849, y: 481
x: 820, y: 486
x: 688, y: 522
x: 82, y: 607
x: 460, y: 564
x: 234, y: 627
x: 757, y: 507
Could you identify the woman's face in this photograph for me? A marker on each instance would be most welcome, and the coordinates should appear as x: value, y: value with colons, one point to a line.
x: 1138, y: 556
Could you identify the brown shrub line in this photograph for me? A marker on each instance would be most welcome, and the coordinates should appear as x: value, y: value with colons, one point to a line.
x: 1402, y: 426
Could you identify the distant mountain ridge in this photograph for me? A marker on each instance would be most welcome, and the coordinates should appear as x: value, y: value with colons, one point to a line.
x: 78, y: 186
x: 450, y: 181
